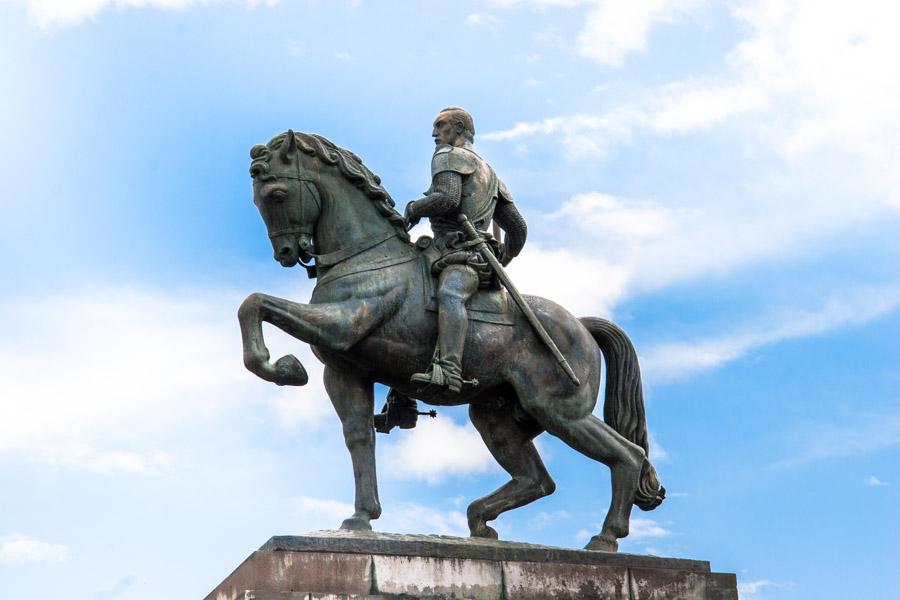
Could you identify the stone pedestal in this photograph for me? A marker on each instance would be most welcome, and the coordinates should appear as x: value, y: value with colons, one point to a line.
x: 339, y: 565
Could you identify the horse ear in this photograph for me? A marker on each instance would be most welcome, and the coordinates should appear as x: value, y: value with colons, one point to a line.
x: 287, y: 146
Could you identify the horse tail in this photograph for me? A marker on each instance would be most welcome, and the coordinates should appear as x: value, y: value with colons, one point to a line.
x: 623, y: 405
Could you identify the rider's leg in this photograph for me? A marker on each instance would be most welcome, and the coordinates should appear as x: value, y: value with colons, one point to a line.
x: 456, y: 285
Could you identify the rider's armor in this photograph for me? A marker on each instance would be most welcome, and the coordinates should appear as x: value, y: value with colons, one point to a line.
x: 462, y: 183
x: 480, y: 187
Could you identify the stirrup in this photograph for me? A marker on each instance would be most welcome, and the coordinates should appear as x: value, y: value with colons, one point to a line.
x: 443, y: 373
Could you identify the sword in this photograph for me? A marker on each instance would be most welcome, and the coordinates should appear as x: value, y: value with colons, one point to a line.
x: 482, y: 247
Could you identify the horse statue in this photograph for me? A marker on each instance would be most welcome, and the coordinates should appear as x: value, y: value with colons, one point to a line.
x: 371, y: 319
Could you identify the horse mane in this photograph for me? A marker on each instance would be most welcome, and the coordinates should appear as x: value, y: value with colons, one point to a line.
x: 349, y: 165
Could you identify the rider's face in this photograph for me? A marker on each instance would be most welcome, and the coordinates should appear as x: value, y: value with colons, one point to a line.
x: 444, y: 131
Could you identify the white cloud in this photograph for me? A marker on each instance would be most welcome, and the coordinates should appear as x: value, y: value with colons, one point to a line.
x: 649, y: 245
x: 21, y: 549
x: 614, y: 29
x: 642, y: 529
x: 613, y: 125
x: 808, y: 95
x: 639, y: 529
x: 117, y: 589
x: 684, y: 107
x: 657, y: 452
x: 873, y: 481
x: 485, y: 20
x: 616, y: 220
x: 49, y: 14
x: 817, y: 76
x: 295, y: 48
x: 582, y: 284
x: 105, y: 461
x: 409, y: 516
x: 404, y: 517
x: 435, y: 449
x: 676, y: 108
x: 531, y: 57
x: 545, y: 519
x: 540, y: 4
x: 98, y: 379
x: 532, y: 83
x: 674, y: 360
x: 751, y: 588
x: 334, y: 511
x: 842, y: 435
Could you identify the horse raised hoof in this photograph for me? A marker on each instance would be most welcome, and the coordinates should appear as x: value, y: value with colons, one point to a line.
x: 289, y: 371
x: 599, y: 543
x: 355, y: 523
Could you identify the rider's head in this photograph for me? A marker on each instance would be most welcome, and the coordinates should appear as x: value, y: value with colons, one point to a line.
x: 453, y: 126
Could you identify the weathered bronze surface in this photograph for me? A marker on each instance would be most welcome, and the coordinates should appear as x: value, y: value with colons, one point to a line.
x: 371, y: 319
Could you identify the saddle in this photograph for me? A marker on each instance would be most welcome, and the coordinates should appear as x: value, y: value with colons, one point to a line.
x: 486, y: 305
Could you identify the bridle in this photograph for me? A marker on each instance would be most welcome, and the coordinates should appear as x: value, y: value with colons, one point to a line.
x: 329, y: 259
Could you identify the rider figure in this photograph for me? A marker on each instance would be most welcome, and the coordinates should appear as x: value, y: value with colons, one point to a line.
x: 461, y: 183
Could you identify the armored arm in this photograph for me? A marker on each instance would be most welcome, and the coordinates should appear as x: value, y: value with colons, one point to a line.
x: 442, y: 198
x: 510, y: 220
x: 513, y: 224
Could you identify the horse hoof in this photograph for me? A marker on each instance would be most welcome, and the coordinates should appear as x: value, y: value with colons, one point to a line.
x: 485, y: 532
x: 289, y: 371
x: 601, y: 544
x: 356, y: 524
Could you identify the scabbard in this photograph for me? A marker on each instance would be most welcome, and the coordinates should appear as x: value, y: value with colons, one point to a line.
x: 532, y: 319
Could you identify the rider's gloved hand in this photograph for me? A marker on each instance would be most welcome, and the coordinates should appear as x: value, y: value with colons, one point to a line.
x: 409, y: 216
x: 503, y: 256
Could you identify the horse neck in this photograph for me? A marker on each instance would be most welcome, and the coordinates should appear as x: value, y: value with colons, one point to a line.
x: 348, y: 216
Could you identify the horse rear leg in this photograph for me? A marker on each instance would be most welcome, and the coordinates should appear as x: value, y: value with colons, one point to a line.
x: 594, y: 438
x: 353, y: 400
x: 510, y: 442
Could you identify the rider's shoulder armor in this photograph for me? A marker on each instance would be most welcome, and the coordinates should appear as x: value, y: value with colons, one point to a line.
x: 451, y: 158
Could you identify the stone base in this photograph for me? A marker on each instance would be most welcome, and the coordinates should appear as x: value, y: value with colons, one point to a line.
x: 341, y: 565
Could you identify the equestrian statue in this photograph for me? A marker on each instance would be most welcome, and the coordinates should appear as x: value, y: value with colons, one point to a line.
x: 438, y: 320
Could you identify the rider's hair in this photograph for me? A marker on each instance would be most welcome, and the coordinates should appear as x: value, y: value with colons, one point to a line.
x: 461, y: 116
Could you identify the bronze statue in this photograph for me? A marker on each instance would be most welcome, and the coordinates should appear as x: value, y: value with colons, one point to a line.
x: 461, y: 184
x: 372, y: 319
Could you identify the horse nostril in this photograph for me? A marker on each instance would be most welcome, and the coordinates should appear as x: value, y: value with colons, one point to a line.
x: 285, y: 250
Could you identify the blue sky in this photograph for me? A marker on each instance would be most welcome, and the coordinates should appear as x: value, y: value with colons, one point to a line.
x: 717, y: 177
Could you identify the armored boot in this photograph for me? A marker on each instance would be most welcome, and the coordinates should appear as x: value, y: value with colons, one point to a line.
x: 442, y: 373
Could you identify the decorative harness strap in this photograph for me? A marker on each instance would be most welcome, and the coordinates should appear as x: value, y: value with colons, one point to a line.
x: 342, y: 254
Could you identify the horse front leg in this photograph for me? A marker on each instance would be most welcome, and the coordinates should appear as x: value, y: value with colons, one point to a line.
x: 353, y: 400
x: 333, y: 326
x: 257, y: 308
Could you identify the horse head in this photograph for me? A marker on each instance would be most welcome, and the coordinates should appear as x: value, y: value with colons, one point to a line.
x: 287, y: 198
